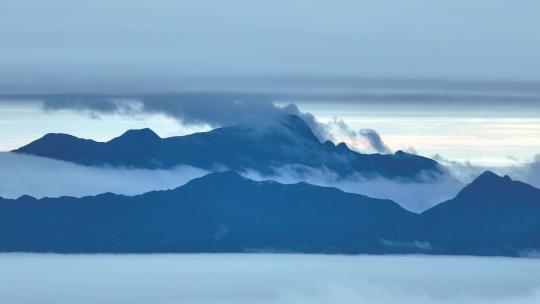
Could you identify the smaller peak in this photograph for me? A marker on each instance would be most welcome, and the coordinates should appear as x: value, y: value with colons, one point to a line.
x: 490, y: 178
x: 342, y: 147
x: 329, y: 144
x: 222, y: 178
x: 26, y: 198
x: 142, y: 132
x: 47, y: 141
x: 57, y: 136
x: 488, y: 175
x: 489, y: 184
x: 228, y: 174
x: 298, y: 125
x: 139, y: 134
x: 400, y: 153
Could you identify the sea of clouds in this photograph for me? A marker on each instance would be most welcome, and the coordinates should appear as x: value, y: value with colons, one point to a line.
x: 39, y: 177
x: 266, y: 278
x: 44, y: 177
x: 413, y: 196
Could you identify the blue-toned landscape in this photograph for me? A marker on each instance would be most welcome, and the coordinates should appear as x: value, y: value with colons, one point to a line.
x: 226, y: 212
x: 269, y: 152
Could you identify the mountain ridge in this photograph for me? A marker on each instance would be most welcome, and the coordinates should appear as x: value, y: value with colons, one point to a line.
x: 226, y: 212
x: 492, y: 211
x: 263, y: 148
x: 298, y: 217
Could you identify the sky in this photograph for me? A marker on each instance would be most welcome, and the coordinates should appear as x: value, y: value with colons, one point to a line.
x: 149, y: 45
x: 459, y: 79
x: 489, y: 129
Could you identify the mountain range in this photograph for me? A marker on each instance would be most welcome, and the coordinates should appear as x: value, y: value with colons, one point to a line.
x: 492, y: 212
x: 263, y: 148
x: 225, y: 212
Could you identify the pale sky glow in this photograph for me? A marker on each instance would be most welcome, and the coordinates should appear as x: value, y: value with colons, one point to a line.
x: 490, y: 136
x: 484, y: 139
x: 22, y: 124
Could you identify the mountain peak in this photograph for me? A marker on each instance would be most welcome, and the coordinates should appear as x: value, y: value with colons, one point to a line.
x: 26, y: 198
x: 57, y: 135
x: 298, y: 125
x: 220, y: 177
x: 145, y: 134
x: 56, y: 138
x: 492, y: 185
x: 489, y: 176
x: 264, y: 146
x: 342, y: 147
x: 59, y: 146
x: 489, y: 181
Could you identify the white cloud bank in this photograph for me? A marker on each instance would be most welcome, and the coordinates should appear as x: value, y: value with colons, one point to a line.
x: 43, y: 177
x: 528, y: 172
x: 270, y: 279
x: 413, y: 196
x: 217, y: 110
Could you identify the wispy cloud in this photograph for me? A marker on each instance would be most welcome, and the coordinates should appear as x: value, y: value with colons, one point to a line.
x: 43, y: 177
x: 466, y: 171
x: 413, y: 196
x: 219, y: 110
x: 362, y: 139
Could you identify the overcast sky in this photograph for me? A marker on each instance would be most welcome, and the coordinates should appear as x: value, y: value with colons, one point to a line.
x: 459, y: 78
x: 133, y: 45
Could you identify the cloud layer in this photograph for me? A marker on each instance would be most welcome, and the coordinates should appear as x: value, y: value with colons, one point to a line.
x: 413, y: 196
x: 528, y: 172
x: 266, y: 279
x: 153, y: 45
x: 44, y: 177
x: 218, y: 110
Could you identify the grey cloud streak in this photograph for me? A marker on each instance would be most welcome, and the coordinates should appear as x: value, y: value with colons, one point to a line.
x: 415, y: 197
x: 216, y: 110
x: 99, y: 43
x: 528, y: 172
x: 44, y: 177
x: 369, y: 137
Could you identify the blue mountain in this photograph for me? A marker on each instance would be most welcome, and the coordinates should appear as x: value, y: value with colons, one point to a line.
x: 493, y: 215
x: 286, y: 142
x: 225, y: 212
x: 220, y: 212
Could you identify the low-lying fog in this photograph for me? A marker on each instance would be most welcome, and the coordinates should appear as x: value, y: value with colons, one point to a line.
x: 39, y: 177
x: 266, y: 278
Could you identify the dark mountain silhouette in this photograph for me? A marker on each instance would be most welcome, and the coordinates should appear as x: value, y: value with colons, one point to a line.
x: 225, y: 212
x: 491, y: 216
x: 221, y: 212
x: 264, y: 148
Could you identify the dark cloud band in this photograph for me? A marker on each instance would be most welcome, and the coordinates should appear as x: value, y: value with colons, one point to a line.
x: 215, y: 110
